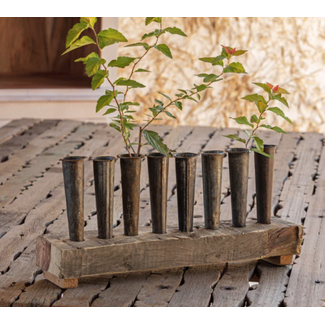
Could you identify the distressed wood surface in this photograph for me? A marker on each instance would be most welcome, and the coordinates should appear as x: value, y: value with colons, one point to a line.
x: 34, y: 204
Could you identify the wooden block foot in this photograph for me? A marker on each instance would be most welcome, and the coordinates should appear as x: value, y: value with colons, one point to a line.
x: 280, y: 260
x: 62, y: 283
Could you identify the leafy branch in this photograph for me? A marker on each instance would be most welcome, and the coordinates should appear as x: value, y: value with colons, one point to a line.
x: 274, y: 93
x: 97, y: 68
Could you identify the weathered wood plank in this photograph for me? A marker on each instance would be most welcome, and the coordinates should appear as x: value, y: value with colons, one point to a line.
x: 122, y: 291
x: 232, y: 288
x: 20, y: 141
x: 271, y: 287
x: 307, y: 280
x: 198, y: 286
x: 150, y: 251
x: 16, y: 127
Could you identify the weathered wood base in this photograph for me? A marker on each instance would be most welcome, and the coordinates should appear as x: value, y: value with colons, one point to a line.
x: 280, y: 260
x: 62, y: 283
x: 62, y: 259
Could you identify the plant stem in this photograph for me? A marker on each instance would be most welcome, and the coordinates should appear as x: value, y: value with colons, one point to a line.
x: 116, y: 101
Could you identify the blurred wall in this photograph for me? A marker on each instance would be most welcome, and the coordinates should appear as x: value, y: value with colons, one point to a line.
x: 285, y: 51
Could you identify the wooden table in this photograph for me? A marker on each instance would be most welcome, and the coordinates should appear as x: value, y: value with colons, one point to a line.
x: 33, y: 203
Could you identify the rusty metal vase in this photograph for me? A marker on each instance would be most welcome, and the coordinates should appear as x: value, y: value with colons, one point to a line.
x: 73, y: 174
x: 130, y: 176
x: 185, y: 184
x: 212, y: 162
x: 264, y: 168
x: 104, y: 168
x: 238, y: 173
x: 158, y: 165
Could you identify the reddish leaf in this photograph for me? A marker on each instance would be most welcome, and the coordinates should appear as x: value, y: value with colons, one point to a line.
x: 270, y: 85
x: 276, y: 88
x: 227, y: 49
x: 233, y: 51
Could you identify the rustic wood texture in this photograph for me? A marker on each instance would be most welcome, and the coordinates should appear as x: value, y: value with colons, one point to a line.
x: 67, y: 259
x: 37, y: 206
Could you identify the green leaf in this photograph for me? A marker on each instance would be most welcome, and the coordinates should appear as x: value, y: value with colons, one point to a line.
x: 279, y: 112
x: 110, y: 36
x: 282, y: 91
x: 212, y: 60
x: 109, y: 111
x: 114, y: 126
x: 263, y: 86
x: 169, y: 114
x: 104, y: 101
x: 242, y: 120
x: 144, y: 44
x: 163, y: 48
x: 259, y: 143
x: 98, y: 79
x: 131, y: 103
x: 175, y: 30
x: 210, y: 77
x: 235, y: 67
x: 93, y: 65
x: 85, y: 59
x: 85, y: 40
x: 255, y: 98
x: 149, y: 20
x: 281, y: 99
x: 179, y: 105
x: 89, y: 20
x: 261, y: 152
x: 261, y: 106
x: 130, y: 83
x: 239, y: 52
x: 142, y: 70
x: 121, y: 62
x: 254, y: 119
x: 200, y: 88
x: 164, y: 95
x: 274, y: 128
x: 156, y: 141
x: 247, y: 133
x: 235, y: 137
x: 75, y: 32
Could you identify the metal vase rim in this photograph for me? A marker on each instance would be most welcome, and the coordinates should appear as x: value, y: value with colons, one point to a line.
x: 185, y: 155
x: 127, y: 156
x: 237, y: 151
x: 73, y: 158
x: 214, y: 153
x: 103, y: 158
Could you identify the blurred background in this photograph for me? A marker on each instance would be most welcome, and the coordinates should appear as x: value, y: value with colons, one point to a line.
x: 35, y: 81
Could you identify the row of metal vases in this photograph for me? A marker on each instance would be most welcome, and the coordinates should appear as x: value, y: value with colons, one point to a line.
x: 158, y: 165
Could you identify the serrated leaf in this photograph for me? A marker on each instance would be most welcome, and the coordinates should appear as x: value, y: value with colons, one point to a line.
x: 179, y: 105
x: 239, y: 52
x: 212, y: 61
x: 274, y: 128
x: 149, y: 20
x: 235, y: 137
x: 142, y: 70
x: 254, y: 119
x: 93, y: 65
x: 234, y: 67
x: 85, y: 40
x: 261, y: 152
x: 263, y: 86
x: 156, y: 142
x: 144, y: 44
x: 121, y: 62
x: 164, y: 95
x: 169, y: 114
x: 259, y: 143
x: 85, y: 59
x: 242, y: 120
x: 282, y: 91
x: 98, y: 79
x: 75, y: 32
x: 279, y: 112
x: 89, y: 20
x: 255, y: 98
x: 130, y: 83
x: 163, y: 48
x: 110, y: 36
x: 104, y: 101
x: 281, y: 99
x: 110, y: 111
x: 175, y: 30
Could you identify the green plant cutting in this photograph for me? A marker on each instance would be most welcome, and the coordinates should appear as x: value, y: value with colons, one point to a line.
x: 274, y: 93
x: 114, y: 100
